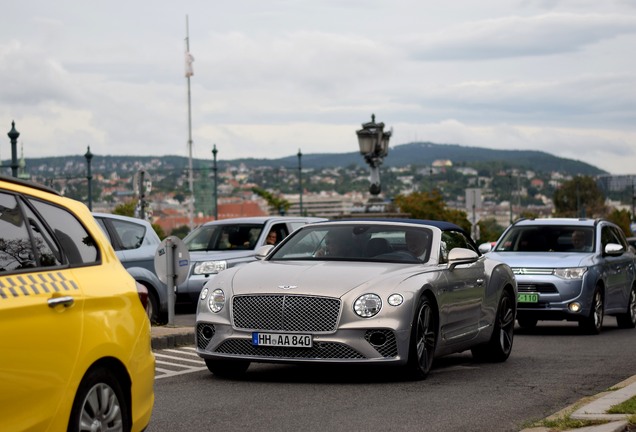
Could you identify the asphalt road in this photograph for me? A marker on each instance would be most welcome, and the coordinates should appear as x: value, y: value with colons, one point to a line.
x: 550, y: 368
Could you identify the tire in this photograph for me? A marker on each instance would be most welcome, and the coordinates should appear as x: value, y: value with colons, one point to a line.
x: 527, y: 323
x: 227, y: 368
x: 628, y: 319
x: 152, y: 309
x: 499, y: 347
x: 100, y: 404
x: 593, y: 323
x: 423, y: 340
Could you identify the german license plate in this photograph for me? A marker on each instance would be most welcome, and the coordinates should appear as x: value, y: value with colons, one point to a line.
x: 282, y: 340
x: 528, y: 298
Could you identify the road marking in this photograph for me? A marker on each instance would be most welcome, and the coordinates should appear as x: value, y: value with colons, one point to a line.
x: 180, y: 361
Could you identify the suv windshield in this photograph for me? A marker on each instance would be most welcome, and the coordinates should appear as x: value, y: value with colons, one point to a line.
x: 547, y: 239
x: 223, y: 237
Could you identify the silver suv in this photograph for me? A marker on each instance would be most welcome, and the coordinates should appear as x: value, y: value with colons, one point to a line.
x: 225, y: 243
x: 570, y: 269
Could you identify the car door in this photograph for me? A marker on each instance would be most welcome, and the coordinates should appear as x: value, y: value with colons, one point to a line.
x: 40, y: 318
x: 461, y: 296
x: 619, y: 271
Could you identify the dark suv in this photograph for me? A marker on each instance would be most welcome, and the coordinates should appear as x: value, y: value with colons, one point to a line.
x: 570, y: 269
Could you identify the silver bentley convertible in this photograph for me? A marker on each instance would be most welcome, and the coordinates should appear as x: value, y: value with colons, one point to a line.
x: 384, y: 291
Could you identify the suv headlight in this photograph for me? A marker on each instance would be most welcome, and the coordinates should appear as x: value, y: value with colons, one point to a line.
x: 571, y: 273
x: 367, y: 305
x: 209, y: 267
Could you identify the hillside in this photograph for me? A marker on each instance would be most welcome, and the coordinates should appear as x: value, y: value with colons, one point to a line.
x: 417, y: 154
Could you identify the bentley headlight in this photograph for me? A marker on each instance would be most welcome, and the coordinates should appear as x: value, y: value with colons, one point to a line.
x: 571, y: 273
x: 396, y: 299
x: 217, y: 300
x: 204, y: 294
x: 209, y: 267
x: 367, y: 305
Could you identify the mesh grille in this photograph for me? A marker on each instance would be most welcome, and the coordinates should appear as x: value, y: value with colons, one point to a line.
x: 321, y: 350
x: 292, y: 313
x: 201, y: 340
x: 389, y: 348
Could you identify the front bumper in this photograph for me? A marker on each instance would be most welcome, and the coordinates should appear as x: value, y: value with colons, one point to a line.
x: 556, y: 298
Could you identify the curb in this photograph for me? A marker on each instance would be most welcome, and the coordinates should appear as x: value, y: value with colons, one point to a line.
x: 164, y: 338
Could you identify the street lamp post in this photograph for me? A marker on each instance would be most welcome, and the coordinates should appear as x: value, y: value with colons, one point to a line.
x: 300, y: 181
x: 214, y: 170
x: 89, y: 177
x: 374, y: 147
x: 13, y: 136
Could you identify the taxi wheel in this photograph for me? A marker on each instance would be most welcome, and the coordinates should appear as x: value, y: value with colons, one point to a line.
x: 423, y: 340
x: 99, y: 404
x: 227, y: 368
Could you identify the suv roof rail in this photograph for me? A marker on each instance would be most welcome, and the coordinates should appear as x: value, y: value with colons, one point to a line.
x: 29, y: 183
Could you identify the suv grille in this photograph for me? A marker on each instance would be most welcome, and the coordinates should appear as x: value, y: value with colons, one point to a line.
x: 293, y: 313
x: 544, y: 288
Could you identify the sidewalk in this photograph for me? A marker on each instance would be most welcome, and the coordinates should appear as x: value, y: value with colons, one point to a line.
x: 591, y: 408
x: 164, y: 337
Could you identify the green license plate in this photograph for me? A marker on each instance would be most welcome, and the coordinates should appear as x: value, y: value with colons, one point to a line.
x: 528, y: 298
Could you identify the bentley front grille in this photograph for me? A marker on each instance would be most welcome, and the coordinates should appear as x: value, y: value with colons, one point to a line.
x: 290, y: 313
x: 320, y: 350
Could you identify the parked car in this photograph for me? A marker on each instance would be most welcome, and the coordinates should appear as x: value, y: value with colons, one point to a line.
x: 135, y: 243
x: 570, y: 269
x: 382, y: 292
x: 218, y: 245
x: 75, y: 337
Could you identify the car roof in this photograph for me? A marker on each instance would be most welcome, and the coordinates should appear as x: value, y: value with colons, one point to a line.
x: 29, y: 184
x: 121, y: 217
x: 263, y: 219
x: 557, y: 221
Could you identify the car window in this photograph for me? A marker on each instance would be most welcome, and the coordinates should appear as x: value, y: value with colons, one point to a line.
x: 16, y: 249
x: 131, y: 235
x: 556, y: 238
x: 452, y: 240
x: 358, y: 243
x: 77, y: 244
x: 223, y: 237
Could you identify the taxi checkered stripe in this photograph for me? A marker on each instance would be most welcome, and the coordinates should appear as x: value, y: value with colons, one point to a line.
x: 26, y: 285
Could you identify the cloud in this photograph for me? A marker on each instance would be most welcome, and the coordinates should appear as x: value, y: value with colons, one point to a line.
x: 516, y: 36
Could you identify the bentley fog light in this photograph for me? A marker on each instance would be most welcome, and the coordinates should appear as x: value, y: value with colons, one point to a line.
x: 217, y: 300
x: 209, y: 267
x: 367, y: 305
x: 395, y: 299
x: 574, y: 307
x: 570, y: 273
x: 204, y: 294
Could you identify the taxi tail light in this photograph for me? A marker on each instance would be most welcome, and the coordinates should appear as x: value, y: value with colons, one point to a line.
x: 143, y: 294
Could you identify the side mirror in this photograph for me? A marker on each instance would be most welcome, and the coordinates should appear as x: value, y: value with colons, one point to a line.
x: 614, y: 249
x: 459, y: 256
x: 486, y: 247
x: 262, y: 251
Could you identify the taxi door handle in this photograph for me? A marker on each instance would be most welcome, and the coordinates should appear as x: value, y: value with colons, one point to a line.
x: 65, y: 301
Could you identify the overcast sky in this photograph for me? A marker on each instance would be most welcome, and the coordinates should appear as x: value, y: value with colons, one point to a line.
x: 273, y: 76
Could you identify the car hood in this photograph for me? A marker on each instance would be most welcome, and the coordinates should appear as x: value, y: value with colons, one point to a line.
x: 327, y: 278
x: 543, y: 259
x: 197, y: 256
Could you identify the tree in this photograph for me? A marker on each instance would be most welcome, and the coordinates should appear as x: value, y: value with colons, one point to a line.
x: 126, y: 209
x: 278, y: 204
x: 489, y: 230
x: 431, y: 205
x: 180, y: 231
x: 579, y: 197
x: 623, y: 219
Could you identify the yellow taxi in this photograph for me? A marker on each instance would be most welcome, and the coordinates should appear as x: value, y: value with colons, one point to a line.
x: 75, y: 347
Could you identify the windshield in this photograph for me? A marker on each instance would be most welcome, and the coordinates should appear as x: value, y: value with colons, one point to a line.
x: 221, y: 237
x: 357, y: 242
x: 547, y: 239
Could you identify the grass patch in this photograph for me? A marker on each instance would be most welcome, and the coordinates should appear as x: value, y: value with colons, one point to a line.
x: 627, y: 407
x: 566, y: 423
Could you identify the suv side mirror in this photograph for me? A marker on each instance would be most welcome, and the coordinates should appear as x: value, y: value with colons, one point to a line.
x: 614, y: 249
